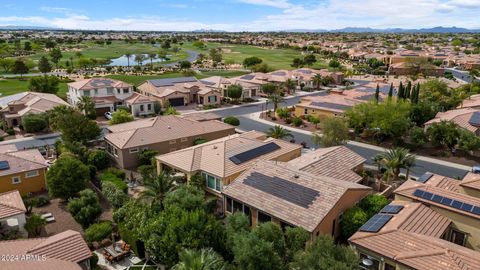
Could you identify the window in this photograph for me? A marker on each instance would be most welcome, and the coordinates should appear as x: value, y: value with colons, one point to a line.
x: 229, y: 205
x: 16, y: 180
x: 96, y: 91
x: 110, y: 91
x: 305, y: 111
x: 375, y: 265
x: 115, y: 152
x: 184, y: 139
x: 149, y: 107
x: 333, y: 227
x: 133, y: 150
x: 213, y: 182
x: 389, y: 267
x: 126, y: 90
x: 31, y: 174
x: 237, y: 206
x: 141, y: 108
x: 263, y: 217
x: 118, y: 91
x: 172, y: 142
x: 86, y: 93
x: 458, y: 237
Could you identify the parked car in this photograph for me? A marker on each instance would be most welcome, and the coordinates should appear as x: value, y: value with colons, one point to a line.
x: 476, y: 169
x: 108, y: 115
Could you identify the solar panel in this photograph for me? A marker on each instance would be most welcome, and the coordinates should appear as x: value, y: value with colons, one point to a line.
x: 437, y: 198
x: 425, y: 177
x: 247, y: 77
x: 446, y: 201
x: 476, y: 210
x: 457, y: 204
x: 475, y: 119
x: 4, y: 165
x: 418, y: 193
x: 171, y: 81
x: 207, y: 82
x: 467, y: 207
x: 331, y: 105
x: 427, y: 195
x: 304, y: 71
x: 254, y: 153
x: 283, y: 189
x: 279, y: 73
x: 391, y: 209
x: 375, y: 223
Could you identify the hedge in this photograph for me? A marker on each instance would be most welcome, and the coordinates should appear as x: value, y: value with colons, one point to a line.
x: 98, y: 231
x: 135, y: 244
x: 114, y: 179
x: 232, y: 120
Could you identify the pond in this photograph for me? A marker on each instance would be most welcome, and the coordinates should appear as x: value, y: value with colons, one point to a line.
x: 123, y: 61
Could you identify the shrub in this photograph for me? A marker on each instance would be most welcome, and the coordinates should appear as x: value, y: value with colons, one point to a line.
x: 372, y: 204
x: 297, y: 121
x: 99, y: 159
x: 85, y: 209
x: 98, y: 231
x: 418, y: 136
x: 120, y: 116
x: 94, y: 261
x: 114, y: 179
x: 42, y: 201
x: 10, y: 131
x: 117, y: 172
x: 352, y: 220
x: 146, y: 156
x: 115, y: 196
x: 129, y: 237
x: 232, y: 120
x: 35, y: 122
x: 199, y: 141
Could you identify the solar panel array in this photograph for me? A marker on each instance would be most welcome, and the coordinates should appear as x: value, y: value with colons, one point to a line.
x: 375, y: 223
x: 331, y: 105
x: 391, y: 209
x: 207, y: 82
x: 447, y: 201
x: 279, y: 73
x: 4, y: 165
x: 247, y: 77
x: 171, y: 81
x: 283, y: 189
x: 305, y: 71
x: 254, y: 153
x: 475, y: 119
x: 424, y: 178
x: 101, y: 82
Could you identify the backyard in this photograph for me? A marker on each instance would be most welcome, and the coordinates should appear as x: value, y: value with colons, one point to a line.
x: 15, y: 86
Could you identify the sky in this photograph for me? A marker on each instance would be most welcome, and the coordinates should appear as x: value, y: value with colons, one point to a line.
x: 239, y: 15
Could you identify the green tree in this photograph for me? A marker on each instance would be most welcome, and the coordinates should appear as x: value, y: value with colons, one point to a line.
x: 377, y: 94
x: 156, y: 189
x: 19, y: 67
x: 334, y: 63
x: 272, y: 233
x: 7, y: 64
x: 86, y: 209
x: 295, y: 240
x: 66, y: 177
x: 44, y: 65
x: 251, y: 61
x: 120, y: 116
x: 146, y: 157
x: 98, y: 231
x: 128, y: 56
x: 297, y: 62
x: 324, y: 254
x: 390, y: 91
x: 152, y: 56
x: 186, y: 197
x: 87, y: 106
x: 73, y: 125
x: 275, y: 99
x: 335, y: 132
x: 268, y: 88
x: 115, y: 196
x: 234, y: 91
x: 56, y: 55
x: 35, y: 122
x: 44, y: 84
x: 393, y: 160
x: 310, y: 59
x: 204, y: 259
x: 231, y: 120
x: 170, y: 111
x: 34, y: 225
x: 185, y: 64
x: 278, y: 132
x: 444, y: 133
x: 98, y: 158
x: 423, y: 111
x: 317, y: 81
x: 418, y: 136
x: 290, y: 85
x: 372, y: 204
x: 251, y: 253
x: 467, y: 140
x: 352, y: 219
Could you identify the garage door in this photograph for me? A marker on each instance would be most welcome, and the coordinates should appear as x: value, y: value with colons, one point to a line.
x: 176, y: 101
x: 102, y: 111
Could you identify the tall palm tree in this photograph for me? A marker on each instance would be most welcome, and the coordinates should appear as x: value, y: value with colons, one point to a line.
x: 128, y: 56
x: 152, y: 56
x: 139, y: 58
x: 393, y: 160
x: 278, y: 132
x: 156, y: 189
x: 86, y: 106
x: 290, y: 85
x: 317, y: 81
x: 205, y: 259
x: 275, y: 99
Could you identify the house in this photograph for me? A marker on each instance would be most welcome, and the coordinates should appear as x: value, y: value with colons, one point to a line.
x: 467, y: 118
x: 30, y: 103
x: 411, y: 235
x: 12, y: 210
x: 65, y: 251
x: 180, y: 91
x: 451, y: 198
x: 23, y: 171
x: 220, y: 161
x: 203, y: 116
x: 471, y: 102
x: 337, y: 162
x: 291, y: 198
x: 221, y: 84
x: 108, y: 94
x: 162, y: 133
x: 336, y: 102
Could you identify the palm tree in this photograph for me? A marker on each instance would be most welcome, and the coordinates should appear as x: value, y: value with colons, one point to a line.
x: 34, y: 225
x: 139, y: 58
x: 152, y: 56
x: 86, y: 106
x: 156, y: 189
x: 278, y: 132
x: 393, y: 160
x: 275, y: 99
x: 290, y: 85
x: 128, y: 56
x: 205, y: 259
x: 317, y: 81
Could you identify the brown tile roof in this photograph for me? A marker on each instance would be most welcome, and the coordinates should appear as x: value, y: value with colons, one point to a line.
x: 137, y: 98
x: 22, y: 161
x: 460, y: 117
x: 62, y: 251
x: 330, y: 191
x: 473, y: 101
x: 214, y: 156
x: 11, y: 204
x: 96, y: 83
x: 471, y: 180
x: 160, y: 129
x: 37, y: 103
x: 337, y: 162
x: 202, y: 116
x: 419, y: 251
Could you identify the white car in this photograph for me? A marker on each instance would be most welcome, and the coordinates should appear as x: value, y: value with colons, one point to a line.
x: 108, y: 115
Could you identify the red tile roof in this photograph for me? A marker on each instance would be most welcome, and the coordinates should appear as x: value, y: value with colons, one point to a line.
x: 11, y: 204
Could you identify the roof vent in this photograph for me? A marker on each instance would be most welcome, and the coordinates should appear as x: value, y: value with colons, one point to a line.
x: 169, y: 127
x: 4, y: 165
x: 215, y: 147
x: 296, y: 176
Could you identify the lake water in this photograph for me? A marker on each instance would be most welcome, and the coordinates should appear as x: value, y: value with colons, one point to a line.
x: 123, y: 61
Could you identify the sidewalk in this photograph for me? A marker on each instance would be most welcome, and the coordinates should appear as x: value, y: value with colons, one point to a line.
x: 256, y: 117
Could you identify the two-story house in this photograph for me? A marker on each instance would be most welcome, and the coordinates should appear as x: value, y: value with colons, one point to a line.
x: 108, y: 94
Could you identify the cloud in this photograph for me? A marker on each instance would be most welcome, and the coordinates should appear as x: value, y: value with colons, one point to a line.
x: 270, y: 3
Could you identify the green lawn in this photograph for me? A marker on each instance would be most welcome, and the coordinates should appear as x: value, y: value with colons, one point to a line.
x: 15, y: 86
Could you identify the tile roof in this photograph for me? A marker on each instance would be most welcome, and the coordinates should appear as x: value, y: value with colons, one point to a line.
x: 160, y: 129
x: 214, y: 156
x: 471, y: 180
x: 460, y: 117
x: 35, y: 102
x: 137, y: 98
x: 328, y: 192
x: 337, y: 162
x: 22, y: 161
x: 96, y: 83
x: 338, y: 101
x: 207, y: 116
x: 62, y: 251
x: 11, y: 204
